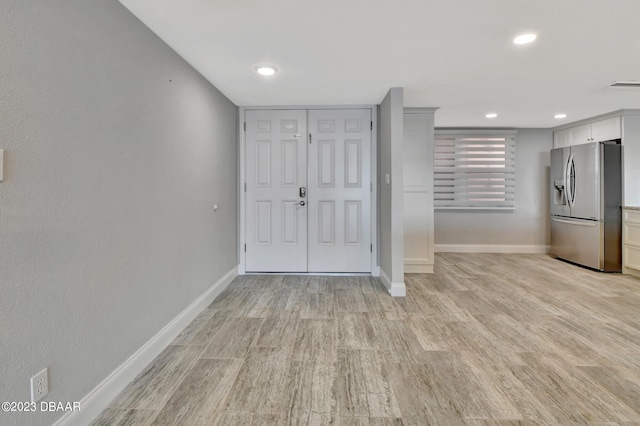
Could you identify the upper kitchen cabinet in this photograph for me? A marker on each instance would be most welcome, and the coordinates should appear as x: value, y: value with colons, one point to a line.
x: 606, y: 130
x: 596, y: 131
x: 580, y: 134
x: 561, y: 138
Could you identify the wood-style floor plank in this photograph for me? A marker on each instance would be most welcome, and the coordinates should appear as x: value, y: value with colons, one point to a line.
x: 569, y: 390
x: 153, y: 387
x: 355, y: 331
x: 263, y: 383
x: 315, y: 340
x: 201, y: 394
x: 312, y: 391
x: 234, y: 338
x: 419, y: 399
x: 125, y: 417
x: 351, y: 388
x: 619, y: 383
x: 278, y: 330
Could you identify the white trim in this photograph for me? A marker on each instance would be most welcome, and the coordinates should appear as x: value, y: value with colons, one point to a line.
x: 508, y: 133
x: 418, y: 269
x: 375, y: 272
x: 418, y: 266
x: 289, y: 107
x: 631, y: 271
x: 101, y: 396
x: 313, y: 274
x: 385, y: 279
x: 241, y: 175
x: 375, y: 268
x: 241, y: 194
x: 398, y: 290
x: 416, y: 189
x: 417, y: 261
x: 395, y: 289
x: 420, y: 110
x: 490, y: 248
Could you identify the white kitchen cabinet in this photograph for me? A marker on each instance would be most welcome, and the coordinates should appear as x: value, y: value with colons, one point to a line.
x: 561, y: 138
x: 631, y: 241
x: 606, y: 130
x: 596, y: 131
x: 580, y: 134
x: 418, y: 141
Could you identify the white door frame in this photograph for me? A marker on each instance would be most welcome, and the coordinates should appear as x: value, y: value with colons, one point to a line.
x: 375, y: 267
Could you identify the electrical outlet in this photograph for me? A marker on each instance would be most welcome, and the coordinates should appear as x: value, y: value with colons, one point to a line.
x: 40, y: 385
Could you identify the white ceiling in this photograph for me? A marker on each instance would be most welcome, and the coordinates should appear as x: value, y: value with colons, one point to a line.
x: 454, y: 54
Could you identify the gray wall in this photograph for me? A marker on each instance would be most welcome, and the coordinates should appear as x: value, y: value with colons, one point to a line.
x: 391, y: 196
x: 631, y: 158
x: 116, y: 151
x: 529, y: 223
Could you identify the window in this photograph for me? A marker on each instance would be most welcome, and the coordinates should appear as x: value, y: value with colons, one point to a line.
x: 475, y: 170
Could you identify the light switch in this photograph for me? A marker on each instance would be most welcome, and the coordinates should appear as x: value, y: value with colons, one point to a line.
x: 387, y: 178
x: 1, y: 165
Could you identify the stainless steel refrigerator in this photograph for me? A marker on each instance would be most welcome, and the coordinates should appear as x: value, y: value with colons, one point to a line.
x: 586, y: 205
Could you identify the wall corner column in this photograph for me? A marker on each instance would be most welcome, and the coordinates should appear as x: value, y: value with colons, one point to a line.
x: 391, y: 202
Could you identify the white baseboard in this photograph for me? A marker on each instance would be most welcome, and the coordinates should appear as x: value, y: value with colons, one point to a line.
x: 102, y: 395
x: 395, y: 289
x: 375, y: 272
x: 490, y: 248
x: 418, y: 266
x: 417, y: 269
x: 631, y: 271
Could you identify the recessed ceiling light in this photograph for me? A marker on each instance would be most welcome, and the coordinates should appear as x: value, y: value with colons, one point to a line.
x: 491, y: 115
x: 266, y: 70
x: 560, y: 116
x: 524, y: 38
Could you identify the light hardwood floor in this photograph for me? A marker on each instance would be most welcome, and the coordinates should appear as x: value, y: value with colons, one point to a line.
x: 488, y: 339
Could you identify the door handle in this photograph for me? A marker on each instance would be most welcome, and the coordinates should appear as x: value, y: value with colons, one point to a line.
x: 567, y: 181
x: 572, y: 174
x: 302, y: 203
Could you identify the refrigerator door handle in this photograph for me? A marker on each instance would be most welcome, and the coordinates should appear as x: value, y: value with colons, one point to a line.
x: 572, y: 176
x: 567, y: 182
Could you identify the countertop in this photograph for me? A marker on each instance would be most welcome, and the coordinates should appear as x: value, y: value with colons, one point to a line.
x: 636, y: 207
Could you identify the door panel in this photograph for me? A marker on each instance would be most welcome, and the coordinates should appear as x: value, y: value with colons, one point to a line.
x: 559, y: 158
x: 606, y: 130
x: 276, y: 166
x: 580, y: 134
x: 586, y: 187
x: 339, y: 191
x: 578, y: 241
x: 561, y: 138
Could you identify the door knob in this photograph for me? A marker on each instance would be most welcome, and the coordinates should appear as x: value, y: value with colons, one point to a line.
x: 302, y: 203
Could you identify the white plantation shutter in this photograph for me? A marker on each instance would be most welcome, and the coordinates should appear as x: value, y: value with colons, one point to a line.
x: 475, y: 170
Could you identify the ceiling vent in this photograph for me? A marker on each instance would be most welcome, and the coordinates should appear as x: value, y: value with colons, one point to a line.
x: 623, y: 84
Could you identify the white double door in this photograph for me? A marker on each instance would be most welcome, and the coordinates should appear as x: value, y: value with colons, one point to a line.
x: 308, y: 190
